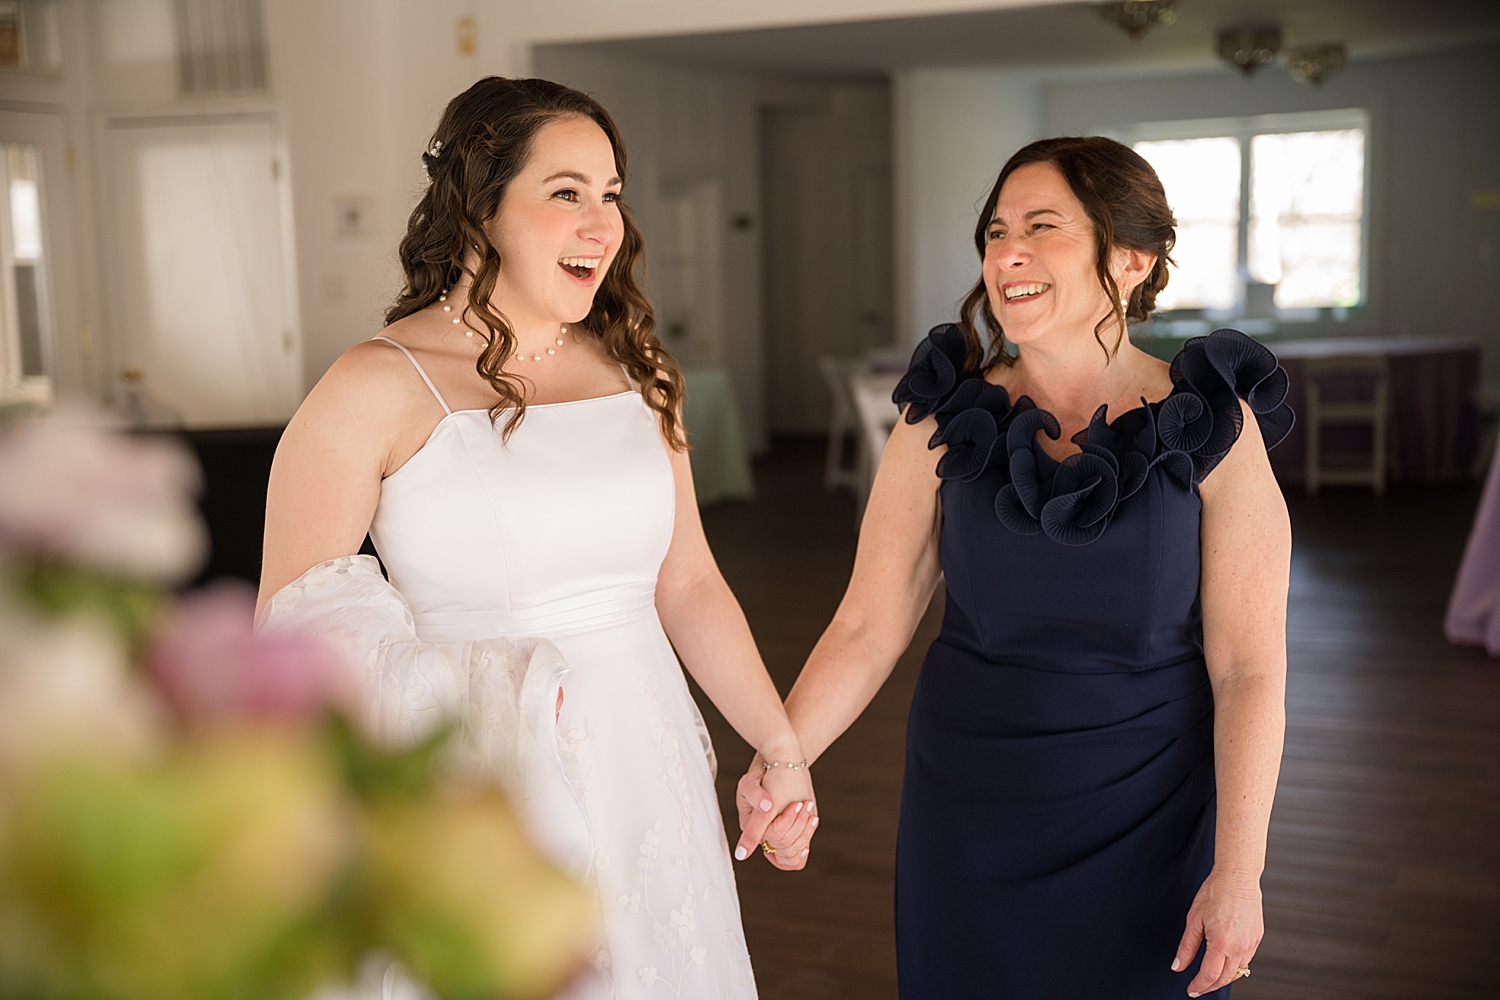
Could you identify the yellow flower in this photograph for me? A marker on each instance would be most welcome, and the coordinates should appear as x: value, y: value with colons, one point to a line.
x: 467, y: 903
x: 184, y: 880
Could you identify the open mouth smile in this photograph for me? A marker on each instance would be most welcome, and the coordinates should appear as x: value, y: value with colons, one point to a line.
x: 1024, y: 291
x: 581, y: 268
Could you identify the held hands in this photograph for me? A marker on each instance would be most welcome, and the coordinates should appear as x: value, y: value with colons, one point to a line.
x: 776, y: 807
x: 1227, y: 913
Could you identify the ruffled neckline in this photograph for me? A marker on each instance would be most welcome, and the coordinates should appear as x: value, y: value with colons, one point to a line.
x: 1073, y: 500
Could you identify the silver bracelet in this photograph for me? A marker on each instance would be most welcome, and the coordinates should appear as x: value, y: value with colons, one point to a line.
x: 800, y: 765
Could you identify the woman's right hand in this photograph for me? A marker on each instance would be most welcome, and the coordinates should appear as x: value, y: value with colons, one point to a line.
x: 789, y: 832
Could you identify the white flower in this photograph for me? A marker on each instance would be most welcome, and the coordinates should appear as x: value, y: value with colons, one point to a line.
x: 72, y: 491
x: 65, y: 687
x: 698, y: 954
x: 648, y: 975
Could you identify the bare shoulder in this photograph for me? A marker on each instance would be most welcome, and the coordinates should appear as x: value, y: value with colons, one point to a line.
x: 909, y: 453
x: 370, y: 379
x: 1244, y: 474
x: 370, y: 400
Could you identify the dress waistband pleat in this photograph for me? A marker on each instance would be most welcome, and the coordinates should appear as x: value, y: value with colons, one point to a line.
x: 586, y: 613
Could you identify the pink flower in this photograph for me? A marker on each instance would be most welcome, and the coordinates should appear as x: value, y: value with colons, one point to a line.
x: 212, y: 666
x: 72, y: 491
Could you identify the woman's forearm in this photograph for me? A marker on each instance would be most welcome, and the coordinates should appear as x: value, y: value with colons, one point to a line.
x: 709, y: 631
x: 1249, y: 728
x: 842, y: 676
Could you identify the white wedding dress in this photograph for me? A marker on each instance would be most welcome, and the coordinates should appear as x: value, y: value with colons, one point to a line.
x: 518, y: 567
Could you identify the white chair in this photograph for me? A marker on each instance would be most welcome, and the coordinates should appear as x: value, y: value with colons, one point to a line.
x: 877, y: 418
x: 1374, y: 411
x: 843, y: 424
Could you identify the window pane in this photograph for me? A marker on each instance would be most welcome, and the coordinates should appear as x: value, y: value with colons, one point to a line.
x: 1202, y: 180
x: 1306, y: 210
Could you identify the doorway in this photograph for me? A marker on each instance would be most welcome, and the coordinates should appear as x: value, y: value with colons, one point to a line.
x: 826, y: 197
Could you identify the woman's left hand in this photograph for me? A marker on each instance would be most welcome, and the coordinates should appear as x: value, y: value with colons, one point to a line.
x: 788, y: 834
x: 1227, y: 913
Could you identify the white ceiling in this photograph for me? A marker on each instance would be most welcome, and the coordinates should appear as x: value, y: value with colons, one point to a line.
x: 1073, y: 35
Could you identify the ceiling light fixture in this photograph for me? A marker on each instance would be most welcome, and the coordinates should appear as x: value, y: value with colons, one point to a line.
x: 1136, y: 17
x: 1315, y: 63
x: 1248, y: 50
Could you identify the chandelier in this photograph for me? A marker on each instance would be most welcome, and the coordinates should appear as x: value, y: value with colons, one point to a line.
x: 1136, y: 17
x: 1315, y: 63
x: 1249, y: 50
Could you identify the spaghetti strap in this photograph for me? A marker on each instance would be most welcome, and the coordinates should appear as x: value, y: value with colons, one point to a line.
x: 420, y: 371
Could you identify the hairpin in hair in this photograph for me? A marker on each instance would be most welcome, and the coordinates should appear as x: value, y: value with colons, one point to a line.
x: 436, y: 149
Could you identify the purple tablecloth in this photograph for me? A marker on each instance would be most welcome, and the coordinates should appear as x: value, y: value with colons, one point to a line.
x: 1435, y: 417
x: 1474, y: 609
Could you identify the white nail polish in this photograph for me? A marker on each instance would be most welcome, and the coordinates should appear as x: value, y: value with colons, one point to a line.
x: 806, y: 851
x: 765, y: 805
x: 798, y: 809
x: 740, y: 854
x: 1176, y: 965
x: 814, y: 822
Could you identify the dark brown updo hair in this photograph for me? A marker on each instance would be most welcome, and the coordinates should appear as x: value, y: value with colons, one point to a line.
x: 1128, y: 207
x: 482, y: 142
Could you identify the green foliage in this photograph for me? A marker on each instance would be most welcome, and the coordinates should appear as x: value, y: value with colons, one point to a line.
x: 60, y: 590
x: 375, y: 773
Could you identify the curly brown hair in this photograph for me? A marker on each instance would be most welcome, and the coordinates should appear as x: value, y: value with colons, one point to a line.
x: 1128, y: 207
x: 482, y: 142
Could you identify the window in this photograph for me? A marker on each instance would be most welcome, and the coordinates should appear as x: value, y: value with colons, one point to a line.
x: 1274, y: 201
x: 23, y: 314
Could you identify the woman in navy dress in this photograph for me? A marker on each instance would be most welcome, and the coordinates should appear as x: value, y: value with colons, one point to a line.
x: 1095, y: 737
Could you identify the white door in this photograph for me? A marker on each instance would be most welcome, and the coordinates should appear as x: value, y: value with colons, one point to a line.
x: 200, y: 282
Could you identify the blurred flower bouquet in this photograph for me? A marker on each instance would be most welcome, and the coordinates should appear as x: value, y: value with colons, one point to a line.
x: 189, y: 810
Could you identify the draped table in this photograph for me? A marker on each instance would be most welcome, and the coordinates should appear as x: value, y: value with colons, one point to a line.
x: 721, y: 465
x: 1434, y: 409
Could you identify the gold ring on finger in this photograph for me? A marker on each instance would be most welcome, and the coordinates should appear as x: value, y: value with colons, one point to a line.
x: 765, y: 845
x: 1243, y: 971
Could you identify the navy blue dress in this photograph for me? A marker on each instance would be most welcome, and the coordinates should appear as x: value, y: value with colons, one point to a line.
x: 1057, y: 814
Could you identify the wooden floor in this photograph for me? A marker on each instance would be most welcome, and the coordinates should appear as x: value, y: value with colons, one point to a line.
x: 1383, y: 878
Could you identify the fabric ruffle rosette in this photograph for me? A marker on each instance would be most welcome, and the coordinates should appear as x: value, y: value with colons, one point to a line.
x: 937, y: 366
x: 1210, y: 375
x: 1072, y: 501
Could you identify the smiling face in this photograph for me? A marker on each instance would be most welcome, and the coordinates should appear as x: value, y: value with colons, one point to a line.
x: 558, y: 226
x: 1039, y: 259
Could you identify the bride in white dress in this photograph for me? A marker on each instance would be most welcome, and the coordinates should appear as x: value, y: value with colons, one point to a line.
x: 513, y: 446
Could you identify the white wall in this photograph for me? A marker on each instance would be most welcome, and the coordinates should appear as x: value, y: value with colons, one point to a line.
x: 953, y: 130
x: 355, y: 86
x: 360, y: 86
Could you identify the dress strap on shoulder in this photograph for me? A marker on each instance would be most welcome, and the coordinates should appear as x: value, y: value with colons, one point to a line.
x: 420, y: 370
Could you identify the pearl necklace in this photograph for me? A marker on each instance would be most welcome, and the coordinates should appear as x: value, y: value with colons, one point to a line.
x: 520, y: 355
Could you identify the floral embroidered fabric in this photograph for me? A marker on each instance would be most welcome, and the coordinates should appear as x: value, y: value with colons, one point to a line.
x: 1072, y: 501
